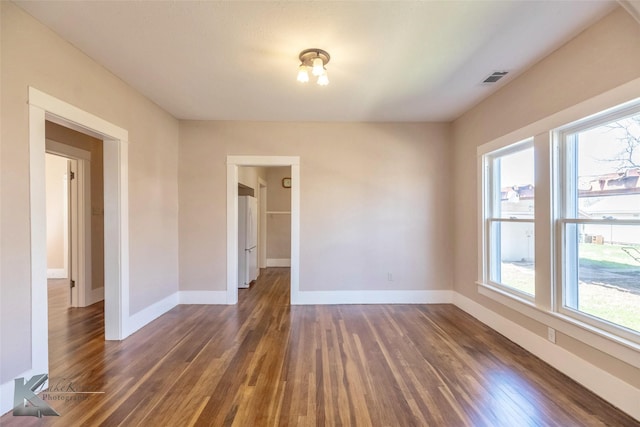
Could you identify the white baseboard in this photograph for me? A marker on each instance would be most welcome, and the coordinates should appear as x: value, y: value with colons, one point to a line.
x: 203, y: 297
x: 57, y: 273
x: 612, y: 389
x: 149, y: 314
x: 278, y: 262
x: 371, y: 297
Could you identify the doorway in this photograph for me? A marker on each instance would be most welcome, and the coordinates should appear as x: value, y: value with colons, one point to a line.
x: 83, y: 239
x: 233, y: 163
x: 57, y: 175
x: 264, y: 208
x: 43, y: 107
x: 62, y: 231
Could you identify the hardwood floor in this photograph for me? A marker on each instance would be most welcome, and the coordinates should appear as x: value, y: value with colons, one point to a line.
x: 265, y: 363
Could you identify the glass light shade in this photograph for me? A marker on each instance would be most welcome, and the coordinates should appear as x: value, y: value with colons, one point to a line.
x: 318, y: 67
x: 323, y: 79
x: 303, y: 74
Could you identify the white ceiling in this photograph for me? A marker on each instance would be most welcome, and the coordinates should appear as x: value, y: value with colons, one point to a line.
x: 390, y: 60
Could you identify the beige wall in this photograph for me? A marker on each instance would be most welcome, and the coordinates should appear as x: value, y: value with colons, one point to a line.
x: 75, y: 139
x: 278, y: 223
x: 56, y: 171
x: 32, y: 55
x: 249, y: 175
x: 278, y: 197
x: 374, y: 199
x: 603, y: 57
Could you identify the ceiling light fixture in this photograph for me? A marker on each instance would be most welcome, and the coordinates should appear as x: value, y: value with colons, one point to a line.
x: 316, y: 60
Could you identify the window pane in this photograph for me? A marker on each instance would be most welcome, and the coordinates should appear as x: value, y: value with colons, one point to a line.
x: 516, y: 185
x: 608, y: 170
x: 512, y: 245
x: 606, y: 283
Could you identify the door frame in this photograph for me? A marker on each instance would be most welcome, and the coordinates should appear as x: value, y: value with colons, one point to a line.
x: 80, y: 253
x: 44, y: 107
x: 233, y: 162
x: 262, y: 244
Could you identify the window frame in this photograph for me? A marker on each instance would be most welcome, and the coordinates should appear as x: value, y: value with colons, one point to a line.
x: 563, y: 187
x: 492, y: 190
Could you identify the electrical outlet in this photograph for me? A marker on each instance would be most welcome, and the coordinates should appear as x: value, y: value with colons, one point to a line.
x: 390, y: 277
x: 551, y: 335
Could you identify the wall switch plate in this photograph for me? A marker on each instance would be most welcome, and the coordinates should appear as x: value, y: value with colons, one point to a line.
x: 390, y: 277
x: 551, y: 335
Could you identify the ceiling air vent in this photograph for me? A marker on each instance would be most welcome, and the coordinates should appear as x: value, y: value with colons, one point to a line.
x: 494, y: 77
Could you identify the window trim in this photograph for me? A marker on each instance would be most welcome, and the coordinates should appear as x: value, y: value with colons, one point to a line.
x: 562, y: 186
x: 543, y: 310
x: 491, y: 188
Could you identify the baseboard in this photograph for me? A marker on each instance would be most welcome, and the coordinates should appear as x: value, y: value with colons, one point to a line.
x: 57, y: 273
x: 149, y: 314
x: 371, y: 297
x: 278, y: 262
x: 96, y: 295
x: 203, y: 297
x: 612, y: 389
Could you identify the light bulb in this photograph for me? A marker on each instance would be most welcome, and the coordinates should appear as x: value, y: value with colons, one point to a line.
x: 303, y: 74
x: 323, y: 79
x: 318, y: 66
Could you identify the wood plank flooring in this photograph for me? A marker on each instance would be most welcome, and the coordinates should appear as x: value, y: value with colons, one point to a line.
x: 265, y: 363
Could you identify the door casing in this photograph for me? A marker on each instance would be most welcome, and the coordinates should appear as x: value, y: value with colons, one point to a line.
x: 43, y: 107
x: 233, y: 162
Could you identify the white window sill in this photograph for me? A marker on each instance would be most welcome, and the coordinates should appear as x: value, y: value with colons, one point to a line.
x: 611, y: 344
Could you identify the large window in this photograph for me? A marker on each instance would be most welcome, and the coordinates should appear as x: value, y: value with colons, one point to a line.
x: 598, y: 215
x: 509, y: 218
x: 564, y: 249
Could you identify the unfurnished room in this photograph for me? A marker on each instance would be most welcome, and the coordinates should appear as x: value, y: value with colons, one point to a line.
x: 296, y: 213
